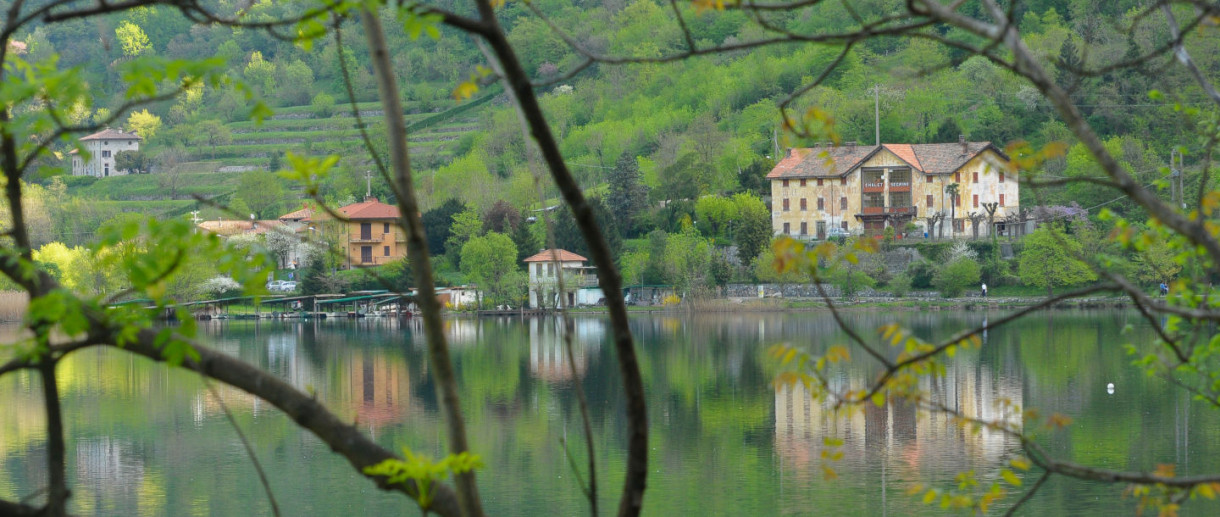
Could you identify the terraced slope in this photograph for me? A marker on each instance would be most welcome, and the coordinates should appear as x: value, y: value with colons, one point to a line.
x: 297, y: 129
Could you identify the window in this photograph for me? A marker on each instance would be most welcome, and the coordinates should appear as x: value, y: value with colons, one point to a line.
x: 958, y: 200
x: 959, y: 225
x: 1001, y: 199
x: 900, y: 178
x: 106, y: 154
x: 873, y: 200
x: 787, y: 228
x: 929, y: 200
x: 537, y: 269
x: 819, y: 182
x: 366, y: 254
x: 843, y: 203
x: 804, y: 206
x: 976, y: 177
x: 1001, y: 177
x: 802, y: 182
x: 785, y: 183
x: 385, y: 228
x: 107, y: 170
x: 929, y: 176
x: 821, y: 204
x: 976, y: 200
x: 901, y: 199
x: 785, y: 204
x: 804, y: 228
x: 550, y: 269
x: 843, y: 180
x: 366, y: 231
x: 843, y: 225
x: 387, y: 250
x: 957, y: 177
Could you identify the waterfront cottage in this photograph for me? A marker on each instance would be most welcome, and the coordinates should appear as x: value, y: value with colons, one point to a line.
x: 579, y: 281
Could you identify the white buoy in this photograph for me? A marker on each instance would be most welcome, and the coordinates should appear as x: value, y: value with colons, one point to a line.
x: 1110, y: 388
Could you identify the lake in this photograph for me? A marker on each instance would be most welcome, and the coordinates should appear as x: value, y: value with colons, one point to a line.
x: 146, y: 440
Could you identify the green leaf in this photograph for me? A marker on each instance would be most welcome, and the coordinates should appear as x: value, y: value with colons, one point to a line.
x: 1011, y: 478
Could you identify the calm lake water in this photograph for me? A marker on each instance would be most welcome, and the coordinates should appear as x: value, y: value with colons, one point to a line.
x: 146, y: 440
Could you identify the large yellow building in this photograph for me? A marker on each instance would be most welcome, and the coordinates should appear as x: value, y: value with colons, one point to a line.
x: 823, y: 191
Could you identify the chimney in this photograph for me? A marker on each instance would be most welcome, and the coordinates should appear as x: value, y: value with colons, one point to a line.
x: 789, y: 153
x: 961, y: 139
x: 370, y: 198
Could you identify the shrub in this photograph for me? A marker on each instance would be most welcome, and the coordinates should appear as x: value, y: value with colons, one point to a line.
x: 323, y: 105
x: 850, y: 280
x: 921, y: 274
x: 900, y: 285
x: 953, y: 279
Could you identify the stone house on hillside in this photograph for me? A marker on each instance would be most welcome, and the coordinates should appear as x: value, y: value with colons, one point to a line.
x: 102, y: 147
x: 863, y: 189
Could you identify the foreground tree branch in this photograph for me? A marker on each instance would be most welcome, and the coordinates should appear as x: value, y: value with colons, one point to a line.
x: 417, y: 249
x: 516, y: 79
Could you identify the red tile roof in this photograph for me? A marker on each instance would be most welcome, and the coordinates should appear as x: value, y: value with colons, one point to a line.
x: 111, y: 134
x: 837, y: 161
x: 551, y: 254
x: 906, y: 152
x: 298, y: 215
x: 233, y: 227
x: 821, y: 161
x: 370, y: 208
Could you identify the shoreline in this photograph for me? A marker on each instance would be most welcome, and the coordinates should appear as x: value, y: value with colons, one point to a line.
x: 721, y: 305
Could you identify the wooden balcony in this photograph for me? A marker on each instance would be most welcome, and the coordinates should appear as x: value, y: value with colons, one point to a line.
x: 875, y: 212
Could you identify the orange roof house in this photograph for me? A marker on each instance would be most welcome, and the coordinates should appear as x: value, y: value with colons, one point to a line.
x: 371, y: 234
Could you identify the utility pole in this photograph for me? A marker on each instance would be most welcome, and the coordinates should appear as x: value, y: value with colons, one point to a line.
x: 775, y: 142
x: 1176, y: 182
x: 368, y: 184
x: 877, y: 112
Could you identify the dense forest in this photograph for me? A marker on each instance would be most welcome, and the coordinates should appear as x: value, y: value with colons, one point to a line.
x: 657, y: 145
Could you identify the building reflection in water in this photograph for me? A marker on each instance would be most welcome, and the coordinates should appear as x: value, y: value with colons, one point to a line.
x: 548, y: 355
x: 897, y: 441
x: 371, y: 384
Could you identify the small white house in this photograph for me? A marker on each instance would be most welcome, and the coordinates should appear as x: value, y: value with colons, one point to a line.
x: 102, y: 147
x: 544, y: 270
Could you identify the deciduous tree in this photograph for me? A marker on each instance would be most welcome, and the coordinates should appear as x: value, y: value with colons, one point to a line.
x: 1051, y: 258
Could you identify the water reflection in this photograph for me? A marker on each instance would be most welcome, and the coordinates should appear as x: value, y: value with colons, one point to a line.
x: 147, y: 440
x: 548, y: 352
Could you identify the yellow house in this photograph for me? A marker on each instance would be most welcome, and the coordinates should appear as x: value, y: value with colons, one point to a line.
x: 854, y: 189
x: 371, y: 235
